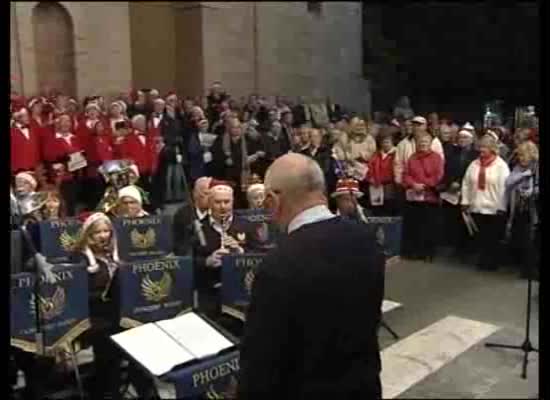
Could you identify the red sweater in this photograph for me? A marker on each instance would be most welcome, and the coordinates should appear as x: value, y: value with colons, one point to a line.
x: 57, y: 150
x: 25, y: 153
x: 142, y: 154
x: 425, y: 168
x: 381, y: 168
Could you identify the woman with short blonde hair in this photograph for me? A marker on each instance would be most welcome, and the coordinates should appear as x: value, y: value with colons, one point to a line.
x: 483, y: 196
x: 522, y: 189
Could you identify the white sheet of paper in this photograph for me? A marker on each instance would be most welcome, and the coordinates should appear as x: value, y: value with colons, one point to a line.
x: 76, y: 161
x: 195, y: 334
x: 153, y: 348
x: 452, y: 198
x: 376, y: 195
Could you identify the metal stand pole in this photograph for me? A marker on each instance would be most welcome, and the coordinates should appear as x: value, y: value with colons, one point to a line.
x: 390, y: 330
x: 76, y: 372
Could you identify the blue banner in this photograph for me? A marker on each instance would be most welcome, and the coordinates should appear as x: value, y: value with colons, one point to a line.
x: 57, y: 238
x: 388, y: 234
x: 238, y: 273
x: 16, y: 251
x: 153, y: 290
x: 143, y: 238
x: 63, y: 308
x: 211, y: 379
x: 265, y: 233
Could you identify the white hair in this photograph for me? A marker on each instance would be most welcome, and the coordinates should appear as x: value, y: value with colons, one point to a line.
x: 138, y: 117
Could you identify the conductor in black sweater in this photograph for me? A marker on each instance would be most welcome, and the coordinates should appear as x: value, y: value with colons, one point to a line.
x: 311, y: 329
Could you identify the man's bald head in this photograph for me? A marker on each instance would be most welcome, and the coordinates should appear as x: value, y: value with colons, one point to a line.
x: 295, y: 175
x: 295, y: 183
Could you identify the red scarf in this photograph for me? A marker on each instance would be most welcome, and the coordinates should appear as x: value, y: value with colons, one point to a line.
x: 484, y: 162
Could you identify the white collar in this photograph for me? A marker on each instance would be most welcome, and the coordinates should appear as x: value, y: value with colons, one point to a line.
x: 201, y: 214
x: 61, y: 136
x: 310, y: 216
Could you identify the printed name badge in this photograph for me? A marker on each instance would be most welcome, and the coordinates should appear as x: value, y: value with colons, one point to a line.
x: 376, y: 195
x: 76, y: 162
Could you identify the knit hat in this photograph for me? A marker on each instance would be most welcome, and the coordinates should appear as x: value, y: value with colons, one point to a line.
x: 132, y: 192
x: 347, y: 186
x: 27, y: 177
x: 91, y: 220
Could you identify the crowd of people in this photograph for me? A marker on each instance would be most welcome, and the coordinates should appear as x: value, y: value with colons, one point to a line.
x: 478, y: 183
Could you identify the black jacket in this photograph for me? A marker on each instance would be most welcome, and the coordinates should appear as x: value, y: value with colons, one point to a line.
x: 303, y: 337
x: 457, y: 161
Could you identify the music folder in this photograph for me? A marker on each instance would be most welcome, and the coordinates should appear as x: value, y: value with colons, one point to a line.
x: 163, y: 345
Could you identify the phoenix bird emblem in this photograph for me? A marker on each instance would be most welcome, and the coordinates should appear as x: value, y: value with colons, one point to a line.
x: 67, y: 241
x: 156, y: 291
x: 230, y: 391
x: 50, y: 307
x: 143, y: 240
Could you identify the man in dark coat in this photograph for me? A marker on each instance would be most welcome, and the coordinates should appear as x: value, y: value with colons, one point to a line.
x: 301, y: 338
x: 457, y: 160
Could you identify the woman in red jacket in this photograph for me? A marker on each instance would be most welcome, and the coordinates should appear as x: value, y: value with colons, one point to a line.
x: 65, y: 153
x: 423, y: 172
x: 99, y: 150
x: 138, y: 146
x: 85, y: 129
x: 382, y: 189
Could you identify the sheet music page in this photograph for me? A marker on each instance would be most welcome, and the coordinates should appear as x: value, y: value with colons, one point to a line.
x: 195, y: 334
x: 153, y: 348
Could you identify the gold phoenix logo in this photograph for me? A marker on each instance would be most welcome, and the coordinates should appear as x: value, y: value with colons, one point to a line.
x: 143, y: 240
x: 50, y: 307
x: 156, y: 291
x: 67, y: 241
x: 249, y: 280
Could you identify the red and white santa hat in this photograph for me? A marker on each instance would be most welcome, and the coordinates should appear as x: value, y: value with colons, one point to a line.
x: 347, y: 186
x: 218, y: 186
x: 171, y: 95
x: 27, y: 177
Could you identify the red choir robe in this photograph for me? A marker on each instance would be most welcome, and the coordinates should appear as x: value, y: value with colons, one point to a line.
x: 25, y: 149
x: 100, y: 149
x: 140, y: 149
x: 58, y: 150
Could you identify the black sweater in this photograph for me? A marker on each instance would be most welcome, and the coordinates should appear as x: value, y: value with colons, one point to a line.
x: 311, y: 329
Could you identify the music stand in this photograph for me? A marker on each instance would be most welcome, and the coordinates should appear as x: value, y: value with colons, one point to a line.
x: 526, y: 346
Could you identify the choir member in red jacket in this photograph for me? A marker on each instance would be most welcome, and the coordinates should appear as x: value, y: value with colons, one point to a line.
x: 116, y: 113
x: 423, y: 172
x: 85, y: 129
x: 25, y: 143
x: 382, y: 188
x: 99, y: 150
x: 138, y: 146
x: 65, y: 153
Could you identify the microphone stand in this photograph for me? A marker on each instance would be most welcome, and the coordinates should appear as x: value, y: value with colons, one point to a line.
x: 526, y: 347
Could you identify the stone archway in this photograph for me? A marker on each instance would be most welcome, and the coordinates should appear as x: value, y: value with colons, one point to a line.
x: 54, y: 47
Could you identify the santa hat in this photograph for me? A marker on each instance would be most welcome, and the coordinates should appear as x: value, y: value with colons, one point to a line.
x: 419, y: 120
x: 159, y: 100
x: 154, y: 92
x: 94, y: 105
x: 170, y: 95
x: 469, y: 127
x: 466, y: 133
x: 347, y: 186
x: 217, y: 186
x: 120, y: 104
x: 132, y: 192
x: 27, y: 177
x: 134, y: 168
x: 91, y: 220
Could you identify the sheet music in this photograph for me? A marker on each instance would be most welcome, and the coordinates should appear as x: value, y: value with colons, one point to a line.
x: 153, y: 348
x: 195, y: 334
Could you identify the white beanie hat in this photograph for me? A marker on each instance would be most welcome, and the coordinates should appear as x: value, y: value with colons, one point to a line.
x: 132, y: 192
